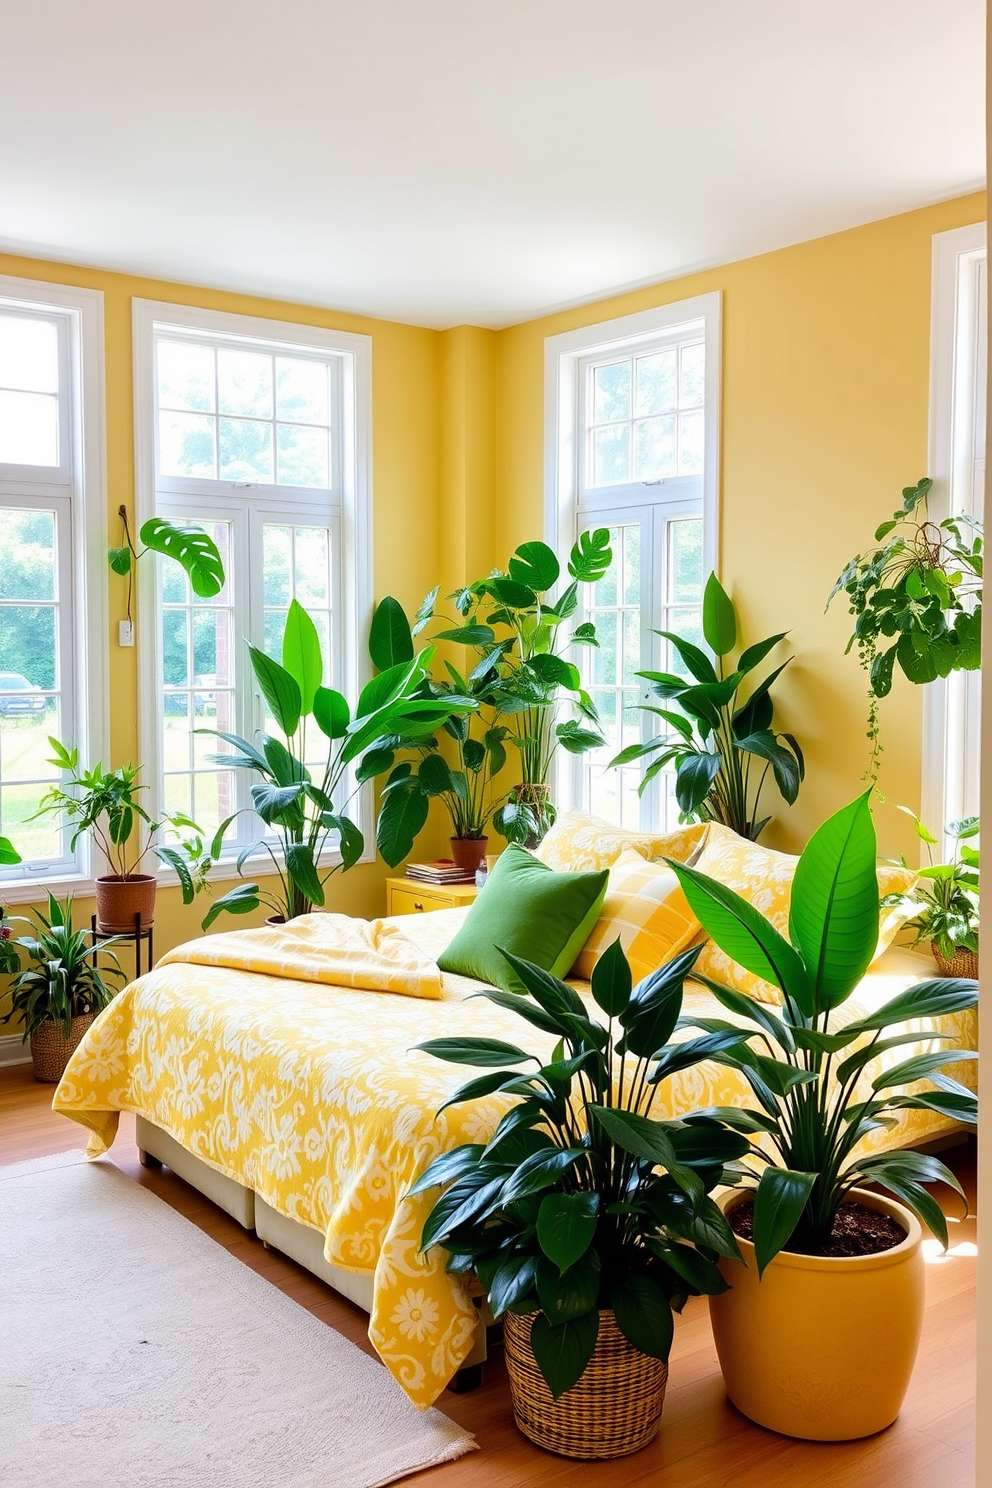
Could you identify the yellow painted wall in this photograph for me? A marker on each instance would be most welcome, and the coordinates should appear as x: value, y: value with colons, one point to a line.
x: 406, y: 515
x: 824, y: 420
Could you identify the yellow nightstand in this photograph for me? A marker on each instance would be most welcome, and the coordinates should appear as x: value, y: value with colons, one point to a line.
x: 407, y: 896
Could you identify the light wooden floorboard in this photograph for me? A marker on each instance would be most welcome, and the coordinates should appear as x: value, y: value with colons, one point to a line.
x: 704, y: 1442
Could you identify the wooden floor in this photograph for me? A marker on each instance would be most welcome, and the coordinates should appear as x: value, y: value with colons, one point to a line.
x: 704, y: 1442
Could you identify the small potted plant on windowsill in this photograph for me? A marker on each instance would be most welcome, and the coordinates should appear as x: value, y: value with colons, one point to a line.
x: 945, y: 899
x: 106, y: 804
x: 59, y: 993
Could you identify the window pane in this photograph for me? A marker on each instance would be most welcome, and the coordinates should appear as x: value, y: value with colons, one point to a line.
x: 29, y: 428
x: 655, y: 443
x: 690, y: 443
x: 277, y: 560
x: 245, y: 450
x: 685, y: 549
x: 655, y: 383
x: 175, y: 648
x: 611, y: 392
x: 186, y: 445
x: 303, y: 456
x: 631, y: 563
x: 32, y: 836
x: 27, y: 555
x: 186, y: 376
x: 313, y: 575
x: 29, y: 354
x: 27, y: 656
x: 301, y: 391
x: 244, y: 383
x: 605, y: 657
x: 692, y: 369
x: 631, y: 646
x: 611, y: 455
x: 688, y: 625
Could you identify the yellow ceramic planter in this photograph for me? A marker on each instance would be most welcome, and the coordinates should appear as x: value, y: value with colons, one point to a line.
x: 822, y: 1347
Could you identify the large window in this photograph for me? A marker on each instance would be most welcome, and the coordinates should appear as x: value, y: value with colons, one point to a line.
x: 951, y: 746
x: 51, y: 676
x: 632, y: 420
x: 258, y: 431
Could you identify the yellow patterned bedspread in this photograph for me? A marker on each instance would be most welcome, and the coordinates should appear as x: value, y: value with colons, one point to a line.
x: 308, y: 1093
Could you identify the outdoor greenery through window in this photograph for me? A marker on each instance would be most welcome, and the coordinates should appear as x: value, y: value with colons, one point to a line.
x: 250, y: 443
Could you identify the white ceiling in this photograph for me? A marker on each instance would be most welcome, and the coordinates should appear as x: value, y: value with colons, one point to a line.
x: 480, y: 161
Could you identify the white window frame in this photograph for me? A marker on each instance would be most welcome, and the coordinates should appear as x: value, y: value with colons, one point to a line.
x: 349, y: 515
x: 952, y: 705
x: 79, y: 483
x: 568, y: 509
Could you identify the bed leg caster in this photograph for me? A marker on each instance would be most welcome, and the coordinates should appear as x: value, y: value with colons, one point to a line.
x: 147, y: 1160
x: 467, y: 1379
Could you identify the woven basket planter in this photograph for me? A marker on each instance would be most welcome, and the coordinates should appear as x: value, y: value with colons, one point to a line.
x: 961, y: 964
x: 51, y: 1050
x: 613, y: 1410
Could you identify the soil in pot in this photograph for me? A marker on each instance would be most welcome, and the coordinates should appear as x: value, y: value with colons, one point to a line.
x: 857, y: 1231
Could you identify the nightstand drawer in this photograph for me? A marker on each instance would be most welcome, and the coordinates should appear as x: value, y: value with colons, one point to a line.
x: 405, y: 897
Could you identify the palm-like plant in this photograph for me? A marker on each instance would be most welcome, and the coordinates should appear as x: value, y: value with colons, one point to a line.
x: 581, y: 1200
x: 715, y: 735
x: 61, y: 981
x: 808, y: 1074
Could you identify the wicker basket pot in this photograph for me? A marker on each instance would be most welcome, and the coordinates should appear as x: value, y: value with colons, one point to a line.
x: 51, y: 1050
x: 962, y: 964
x: 614, y: 1408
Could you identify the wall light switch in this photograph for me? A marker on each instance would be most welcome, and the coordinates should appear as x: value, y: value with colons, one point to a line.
x: 125, y: 633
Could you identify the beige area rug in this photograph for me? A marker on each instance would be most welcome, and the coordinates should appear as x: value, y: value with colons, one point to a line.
x: 137, y: 1353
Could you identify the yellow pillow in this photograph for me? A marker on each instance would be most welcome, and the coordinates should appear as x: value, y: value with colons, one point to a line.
x: 645, y: 907
x: 764, y: 878
x: 580, y: 843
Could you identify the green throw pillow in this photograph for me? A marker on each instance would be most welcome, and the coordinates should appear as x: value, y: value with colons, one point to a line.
x: 528, y: 909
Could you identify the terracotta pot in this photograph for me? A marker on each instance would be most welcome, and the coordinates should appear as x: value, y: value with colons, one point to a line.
x: 613, y: 1409
x: 469, y: 852
x: 118, y: 900
x: 822, y: 1347
x: 51, y: 1050
x: 963, y: 963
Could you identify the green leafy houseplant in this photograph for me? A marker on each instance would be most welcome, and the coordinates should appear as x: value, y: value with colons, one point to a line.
x: 721, y: 742
x: 803, y: 1067
x: 946, y: 897
x: 186, y: 543
x: 916, y: 600
x: 61, y: 980
x: 516, y: 631
x: 299, y: 810
x: 581, y: 1200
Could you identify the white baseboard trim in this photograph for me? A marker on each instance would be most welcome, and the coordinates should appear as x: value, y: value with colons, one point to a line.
x: 12, y: 1051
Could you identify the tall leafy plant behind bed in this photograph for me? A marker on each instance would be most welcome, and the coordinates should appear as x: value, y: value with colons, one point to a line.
x: 818, y: 1087
x: 304, y: 815
x: 718, y: 737
x: 582, y: 1200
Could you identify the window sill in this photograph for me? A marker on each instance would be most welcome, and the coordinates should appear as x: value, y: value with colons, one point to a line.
x: 33, y: 890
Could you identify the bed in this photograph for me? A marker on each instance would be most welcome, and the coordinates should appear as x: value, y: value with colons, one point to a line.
x: 299, y: 1107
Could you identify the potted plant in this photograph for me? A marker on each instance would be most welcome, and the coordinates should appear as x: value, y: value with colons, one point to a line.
x: 916, y: 600
x: 586, y: 1220
x: 515, y: 629
x: 826, y: 1264
x: 720, y: 741
x: 464, y: 788
x: 107, y: 804
x: 299, y: 811
x: 946, y: 900
x: 59, y: 993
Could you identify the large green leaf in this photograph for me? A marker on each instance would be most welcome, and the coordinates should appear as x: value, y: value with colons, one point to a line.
x: 434, y: 775
x: 636, y: 1134
x: 693, y: 657
x: 572, y: 1294
x: 302, y: 871
x: 301, y: 654
x: 566, y: 1224
x: 719, y: 618
x: 447, y: 1167
x: 331, y: 712
x: 785, y: 765
x: 591, y: 556
x: 694, y: 779
x: 513, y: 1280
x: 8, y: 853
x: 752, y: 656
x: 920, y: 1067
x: 120, y: 560
x: 191, y: 547
x: 904, y: 1174
x: 611, y: 980
x: 644, y: 1315
x: 778, y: 1206
x: 540, y: 1171
x: 280, y: 690
x: 390, y: 639
x: 403, y: 815
x: 475, y: 1051
x: 242, y: 899
x: 469, y: 635
x: 535, y: 565
x: 563, y: 1350
x: 744, y: 934
x: 930, y: 999
x: 833, y: 916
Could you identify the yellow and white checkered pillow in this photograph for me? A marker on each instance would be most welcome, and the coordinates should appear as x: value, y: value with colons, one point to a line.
x: 645, y: 907
x: 764, y: 878
x: 580, y: 843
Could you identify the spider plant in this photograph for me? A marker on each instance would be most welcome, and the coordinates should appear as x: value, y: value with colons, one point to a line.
x: 61, y: 980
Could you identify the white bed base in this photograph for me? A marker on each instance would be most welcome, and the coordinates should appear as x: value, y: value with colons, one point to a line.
x: 301, y: 1242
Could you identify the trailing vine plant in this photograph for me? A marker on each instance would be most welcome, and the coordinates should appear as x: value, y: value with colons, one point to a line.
x: 916, y: 602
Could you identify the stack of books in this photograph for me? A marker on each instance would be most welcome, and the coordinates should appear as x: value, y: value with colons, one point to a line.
x: 444, y: 871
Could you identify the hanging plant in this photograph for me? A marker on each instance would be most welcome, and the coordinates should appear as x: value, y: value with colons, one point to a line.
x: 916, y: 601
x: 188, y: 544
